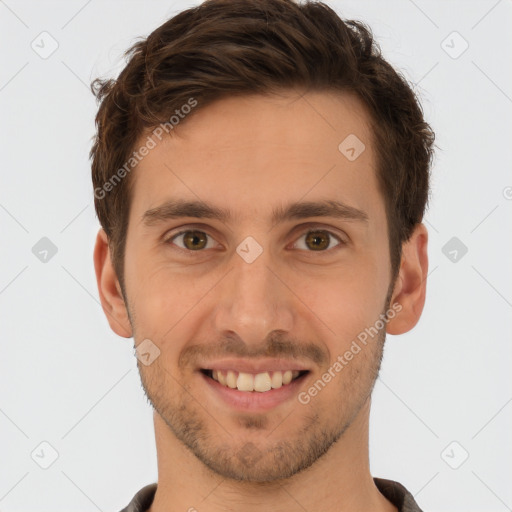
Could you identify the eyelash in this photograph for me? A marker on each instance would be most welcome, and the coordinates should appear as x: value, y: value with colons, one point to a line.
x: 189, y: 252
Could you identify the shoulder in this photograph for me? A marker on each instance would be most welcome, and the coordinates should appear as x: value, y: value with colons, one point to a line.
x: 142, y: 499
x: 397, y: 494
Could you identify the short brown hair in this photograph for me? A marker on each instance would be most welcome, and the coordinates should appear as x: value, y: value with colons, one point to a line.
x: 223, y: 48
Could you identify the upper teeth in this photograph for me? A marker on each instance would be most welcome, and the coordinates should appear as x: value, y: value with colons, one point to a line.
x: 254, y: 382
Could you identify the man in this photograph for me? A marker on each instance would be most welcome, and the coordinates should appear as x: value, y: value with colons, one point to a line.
x: 260, y: 175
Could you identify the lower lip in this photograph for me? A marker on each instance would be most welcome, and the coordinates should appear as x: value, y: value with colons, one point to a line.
x: 254, y: 400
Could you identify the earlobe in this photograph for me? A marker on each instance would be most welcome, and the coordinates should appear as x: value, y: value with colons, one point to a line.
x: 411, y: 283
x: 109, y: 289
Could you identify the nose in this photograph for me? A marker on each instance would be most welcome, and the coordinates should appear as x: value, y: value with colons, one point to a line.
x: 253, y: 301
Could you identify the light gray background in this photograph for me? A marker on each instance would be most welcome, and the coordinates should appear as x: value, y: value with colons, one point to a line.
x: 66, y: 379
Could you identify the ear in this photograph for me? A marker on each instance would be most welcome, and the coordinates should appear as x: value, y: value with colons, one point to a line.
x: 411, y: 283
x: 109, y: 288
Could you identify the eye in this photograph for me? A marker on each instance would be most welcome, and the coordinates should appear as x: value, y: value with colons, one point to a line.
x: 194, y: 240
x: 319, y: 239
x: 315, y: 240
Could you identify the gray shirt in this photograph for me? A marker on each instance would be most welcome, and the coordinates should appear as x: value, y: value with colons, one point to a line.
x: 396, y: 493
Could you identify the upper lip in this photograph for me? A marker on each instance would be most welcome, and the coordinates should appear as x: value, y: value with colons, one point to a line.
x: 254, y: 365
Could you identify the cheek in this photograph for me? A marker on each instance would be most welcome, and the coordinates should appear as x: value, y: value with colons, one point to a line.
x: 346, y: 301
x: 165, y: 300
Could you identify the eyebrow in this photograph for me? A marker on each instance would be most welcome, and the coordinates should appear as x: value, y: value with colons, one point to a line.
x: 178, y: 208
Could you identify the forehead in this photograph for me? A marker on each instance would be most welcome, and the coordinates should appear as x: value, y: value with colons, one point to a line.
x: 252, y: 151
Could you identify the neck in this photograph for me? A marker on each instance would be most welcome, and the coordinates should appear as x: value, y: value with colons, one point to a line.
x: 338, y: 481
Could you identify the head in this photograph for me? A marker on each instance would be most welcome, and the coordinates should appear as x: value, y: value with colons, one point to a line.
x: 245, y: 107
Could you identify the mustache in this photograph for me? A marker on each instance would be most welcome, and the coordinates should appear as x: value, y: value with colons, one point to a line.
x: 233, y: 346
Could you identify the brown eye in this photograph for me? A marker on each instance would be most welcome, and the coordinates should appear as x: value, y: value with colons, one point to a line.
x: 193, y: 240
x: 319, y: 240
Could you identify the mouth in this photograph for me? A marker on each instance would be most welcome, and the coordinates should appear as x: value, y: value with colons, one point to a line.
x: 262, y: 382
x: 246, y: 392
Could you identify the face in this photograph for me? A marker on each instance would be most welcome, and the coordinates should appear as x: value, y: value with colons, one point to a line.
x: 261, y: 275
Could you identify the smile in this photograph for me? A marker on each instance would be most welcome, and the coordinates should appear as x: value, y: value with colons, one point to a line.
x: 249, y: 382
